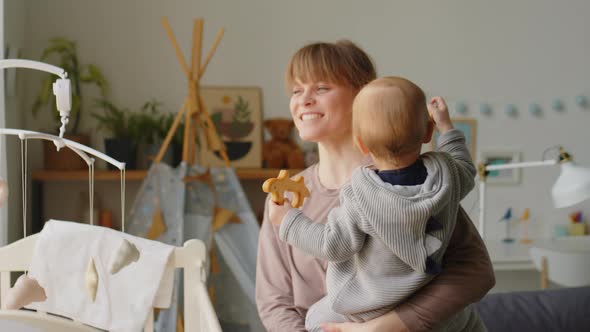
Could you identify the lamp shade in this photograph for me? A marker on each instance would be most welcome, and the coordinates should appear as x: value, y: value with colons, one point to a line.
x: 572, y: 185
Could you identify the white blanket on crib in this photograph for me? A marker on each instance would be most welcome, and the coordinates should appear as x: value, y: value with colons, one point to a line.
x: 123, y: 300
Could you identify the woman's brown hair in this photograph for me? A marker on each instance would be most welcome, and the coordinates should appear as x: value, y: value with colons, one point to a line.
x: 342, y: 62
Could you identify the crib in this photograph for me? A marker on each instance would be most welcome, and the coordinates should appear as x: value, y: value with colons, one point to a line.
x: 198, y: 310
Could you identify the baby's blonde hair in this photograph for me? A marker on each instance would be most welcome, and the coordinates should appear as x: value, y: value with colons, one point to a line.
x: 342, y: 63
x: 390, y: 117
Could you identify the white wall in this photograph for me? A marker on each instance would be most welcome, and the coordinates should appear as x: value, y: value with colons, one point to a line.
x: 498, y: 52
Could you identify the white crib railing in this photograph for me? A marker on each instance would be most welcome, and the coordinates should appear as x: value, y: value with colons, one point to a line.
x: 199, y: 314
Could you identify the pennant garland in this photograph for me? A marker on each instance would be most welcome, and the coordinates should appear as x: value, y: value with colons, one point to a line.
x: 534, y: 109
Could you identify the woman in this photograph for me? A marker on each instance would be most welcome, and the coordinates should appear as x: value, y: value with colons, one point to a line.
x: 324, y: 79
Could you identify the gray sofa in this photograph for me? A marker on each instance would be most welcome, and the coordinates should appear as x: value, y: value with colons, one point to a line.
x: 564, y: 309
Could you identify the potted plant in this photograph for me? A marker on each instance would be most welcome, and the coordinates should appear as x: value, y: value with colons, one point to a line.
x: 153, y: 127
x: 65, y: 55
x: 123, y: 129
x: 178, y: 138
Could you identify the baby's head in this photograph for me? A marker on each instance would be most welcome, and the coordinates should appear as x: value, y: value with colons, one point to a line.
x: 390, y: 119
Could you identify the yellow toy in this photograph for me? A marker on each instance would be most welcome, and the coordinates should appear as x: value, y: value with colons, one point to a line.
x: 524, y: 219
x: 277, y: 187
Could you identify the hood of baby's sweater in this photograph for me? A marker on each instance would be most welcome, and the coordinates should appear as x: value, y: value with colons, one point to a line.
x: 366, y: 183
x: 379, y: 201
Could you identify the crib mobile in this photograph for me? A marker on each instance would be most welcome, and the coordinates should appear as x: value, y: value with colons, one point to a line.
x: 27, y: 290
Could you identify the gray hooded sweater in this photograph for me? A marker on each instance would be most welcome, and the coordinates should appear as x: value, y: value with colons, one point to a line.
x: 376, y: 241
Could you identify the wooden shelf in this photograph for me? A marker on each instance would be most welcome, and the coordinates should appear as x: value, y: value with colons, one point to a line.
x: 261, y: 173
x: 137, y: 175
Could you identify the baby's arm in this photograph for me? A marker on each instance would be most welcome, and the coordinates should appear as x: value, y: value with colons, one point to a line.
x: 452, y: 141
x: 336, y: 240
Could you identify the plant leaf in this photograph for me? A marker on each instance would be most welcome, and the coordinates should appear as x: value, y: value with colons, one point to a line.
x: 66, y: 49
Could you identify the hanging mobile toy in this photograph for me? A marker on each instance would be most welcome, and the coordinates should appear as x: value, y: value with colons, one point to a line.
x: 507, y: 218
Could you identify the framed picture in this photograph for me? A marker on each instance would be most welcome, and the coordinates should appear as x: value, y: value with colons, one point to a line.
x: 499, y: 157
x: 237, y: 115
x: 468, y: 127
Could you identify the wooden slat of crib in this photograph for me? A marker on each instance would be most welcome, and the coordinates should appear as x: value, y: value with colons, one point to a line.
x: 192, y: 322
x: 149, y: 324
x: 4, y: 285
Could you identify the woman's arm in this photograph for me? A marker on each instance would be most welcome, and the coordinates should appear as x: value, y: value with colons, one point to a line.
x: 467, y: 276
x: 389, y: 322
x: 274, y: 294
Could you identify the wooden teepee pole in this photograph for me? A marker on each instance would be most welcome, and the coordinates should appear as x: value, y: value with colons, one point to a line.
x: 190, y: 144
x: 194, y: 106
x: 197, y: 47
x: 211, y: 52
x: 176, y: 47
x: 213, y: 139
x: 193, y: 149
x: 187, y: 129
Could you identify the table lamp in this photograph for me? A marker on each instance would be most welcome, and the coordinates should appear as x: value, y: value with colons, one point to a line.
x: 572, y: 185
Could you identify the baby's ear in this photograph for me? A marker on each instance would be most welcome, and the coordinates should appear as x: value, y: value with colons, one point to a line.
x: 429, y: 132
x: 360, y: 145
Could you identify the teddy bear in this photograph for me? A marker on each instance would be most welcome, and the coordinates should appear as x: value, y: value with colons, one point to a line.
x: 281, y: 151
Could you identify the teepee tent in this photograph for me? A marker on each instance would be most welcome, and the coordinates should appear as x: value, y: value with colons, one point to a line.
x: 192, y: 201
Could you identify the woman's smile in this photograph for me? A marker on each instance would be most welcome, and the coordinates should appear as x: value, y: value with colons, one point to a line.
x: 310, y: 116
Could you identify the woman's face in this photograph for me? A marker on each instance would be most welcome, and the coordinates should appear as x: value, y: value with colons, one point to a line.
x: 322, y: 111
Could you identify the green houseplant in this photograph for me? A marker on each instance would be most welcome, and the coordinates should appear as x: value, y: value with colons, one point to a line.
x: 166, y: 122
x: 153, y: 126
x: 122, y: 127
x: 63, y: 53
x: 138, y: 134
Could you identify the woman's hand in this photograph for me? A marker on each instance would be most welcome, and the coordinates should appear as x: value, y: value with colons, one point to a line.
x: 390, y: 322
x: 343, y: 327
x: 277, y: 212
x: 440, y: 114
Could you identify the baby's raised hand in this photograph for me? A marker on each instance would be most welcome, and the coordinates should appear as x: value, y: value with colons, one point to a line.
x: 277, y: 212
x: 440, y: 114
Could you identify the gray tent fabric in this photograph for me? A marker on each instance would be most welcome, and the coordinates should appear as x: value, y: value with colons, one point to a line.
x: 164, y: 184
x: 237, y: 243
x: 199, y: 204
x: 188, y: 209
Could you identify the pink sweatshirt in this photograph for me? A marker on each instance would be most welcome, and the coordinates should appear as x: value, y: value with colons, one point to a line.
x: 288, y: 281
